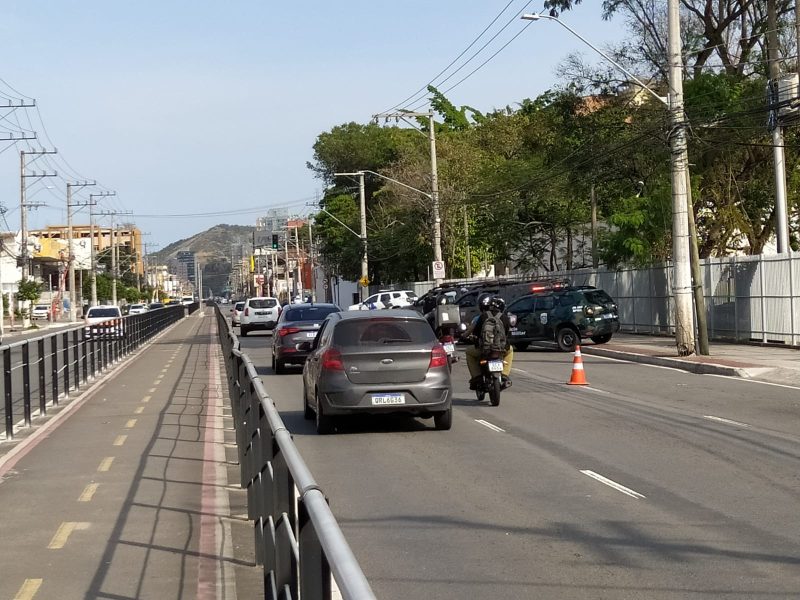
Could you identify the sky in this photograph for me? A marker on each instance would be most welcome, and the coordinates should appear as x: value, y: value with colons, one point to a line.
x: 190, y: 107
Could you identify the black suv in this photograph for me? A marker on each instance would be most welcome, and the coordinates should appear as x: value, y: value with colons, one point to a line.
x: 564, y: 316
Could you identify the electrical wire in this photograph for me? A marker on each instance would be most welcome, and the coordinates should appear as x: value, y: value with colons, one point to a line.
x: 463, y: 52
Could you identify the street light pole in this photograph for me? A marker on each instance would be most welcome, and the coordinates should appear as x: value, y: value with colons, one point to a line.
x: 362, y: 203
x: 93, y: 254
x: 679, y: 168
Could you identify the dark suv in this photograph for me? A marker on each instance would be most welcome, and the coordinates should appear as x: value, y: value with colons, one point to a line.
x: 564, y: 316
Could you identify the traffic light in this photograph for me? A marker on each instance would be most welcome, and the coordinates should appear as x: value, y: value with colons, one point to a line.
x: 274, y: 241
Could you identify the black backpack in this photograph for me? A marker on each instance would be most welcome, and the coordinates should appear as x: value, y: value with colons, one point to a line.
x: 493, y: 335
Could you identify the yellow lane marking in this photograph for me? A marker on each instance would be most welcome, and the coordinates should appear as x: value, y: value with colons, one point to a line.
x: 151, y: 391
x: 120, y: 440
x: 146, y: 399
x: 63, y: 533
x: 88, y: 492
x: 130, y: 424
x: 28, y: 589
x: 139, y: 410
x: 163, y: 370
x: 105, y: 464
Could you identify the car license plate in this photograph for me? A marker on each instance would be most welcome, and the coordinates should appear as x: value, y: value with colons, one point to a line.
x: 495, y: 366
x: 449, y: 347
x: 311, y: 334
x: 608, y: 316
x: 383, y: 399
x: 261, y: 312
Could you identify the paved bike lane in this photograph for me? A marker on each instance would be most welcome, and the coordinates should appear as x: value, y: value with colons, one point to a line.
x: 128, y: 495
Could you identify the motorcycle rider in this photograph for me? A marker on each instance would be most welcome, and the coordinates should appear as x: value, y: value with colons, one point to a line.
x: 495, y: 305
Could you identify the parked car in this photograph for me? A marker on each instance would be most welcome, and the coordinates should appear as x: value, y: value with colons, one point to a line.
x: 40, y: 311
x: 297, y: 323
x: 367, y: 362
x: 137, y: 309
x: 261, y: 312
x: 386, y: 299
x: 104, y: 321
x: 155, y: 305
x: 563, y: 316
x: 236, y: 313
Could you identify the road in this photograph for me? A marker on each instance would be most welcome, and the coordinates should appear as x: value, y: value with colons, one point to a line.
x: 648, y: 483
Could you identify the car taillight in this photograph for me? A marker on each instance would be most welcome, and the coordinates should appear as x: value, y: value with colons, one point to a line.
x: 247, y: 312
x: 438, y: 357
x: 332, y: 360
x: 287, y: 330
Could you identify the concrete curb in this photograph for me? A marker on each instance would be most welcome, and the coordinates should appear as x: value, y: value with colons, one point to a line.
x: 698, y: 368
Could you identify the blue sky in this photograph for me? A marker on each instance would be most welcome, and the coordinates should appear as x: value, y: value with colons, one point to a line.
x: 192, y: 107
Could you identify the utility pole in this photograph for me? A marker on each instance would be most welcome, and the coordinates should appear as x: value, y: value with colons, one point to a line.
x: 73, y: 296
x: 93, y: 253
x: 312, y: 283
x: 679, y: 159
x: 24, y: 205
x: 781, y: 212
x: 437, y: 222
x: 466, y: 242
x: 362, y: 203
x: 595, y: 259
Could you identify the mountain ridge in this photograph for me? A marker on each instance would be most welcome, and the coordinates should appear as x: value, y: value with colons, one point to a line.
x: 212, y: 243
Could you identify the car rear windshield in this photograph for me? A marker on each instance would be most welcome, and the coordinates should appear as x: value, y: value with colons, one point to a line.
x: 375, y: 332
x: 137, y: 306
x: 598, y: 297
x: 310, y: 313
x: 103, y: 312
x: 239, y: 306
x: 263, y: 303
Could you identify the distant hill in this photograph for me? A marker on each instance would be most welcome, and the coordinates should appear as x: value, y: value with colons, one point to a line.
x: 211, y: 244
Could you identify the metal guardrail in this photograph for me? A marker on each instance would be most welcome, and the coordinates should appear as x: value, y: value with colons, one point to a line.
x: 298, y: 541
x: 47, y: 368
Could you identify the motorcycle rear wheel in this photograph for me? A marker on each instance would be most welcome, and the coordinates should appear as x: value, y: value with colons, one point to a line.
x: 494, y: 391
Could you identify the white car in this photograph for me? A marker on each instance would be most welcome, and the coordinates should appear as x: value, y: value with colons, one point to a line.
x: 187, y: 300
x: 40, y: 311
x: 261, y: 312
x: 137, y: 309
x: 105, y: 321
x: 386, y: 299
x: 236, y: 314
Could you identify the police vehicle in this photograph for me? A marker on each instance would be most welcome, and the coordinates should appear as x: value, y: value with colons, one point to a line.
x: 564, y: 316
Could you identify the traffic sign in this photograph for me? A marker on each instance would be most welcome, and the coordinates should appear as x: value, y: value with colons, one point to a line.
x: 438, y: 269
x: 364, y: 281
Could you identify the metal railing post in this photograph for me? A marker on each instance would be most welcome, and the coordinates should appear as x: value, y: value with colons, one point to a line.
x: 84, y: 355
x: 54, y: 367
x: 9, y: 398
x: 65, y: 351
x: 77, y: 356
x: 42, y: 384
x: 26, y: 383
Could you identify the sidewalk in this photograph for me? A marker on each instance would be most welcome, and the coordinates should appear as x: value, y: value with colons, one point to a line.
x: 764, y: 363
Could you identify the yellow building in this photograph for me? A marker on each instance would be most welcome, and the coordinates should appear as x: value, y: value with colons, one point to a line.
x: 126, y: 236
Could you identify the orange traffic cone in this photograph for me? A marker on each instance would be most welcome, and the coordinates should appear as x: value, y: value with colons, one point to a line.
x: 578, y: 374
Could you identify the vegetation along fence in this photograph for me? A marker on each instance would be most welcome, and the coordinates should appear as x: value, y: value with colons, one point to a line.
x: 298, y: 541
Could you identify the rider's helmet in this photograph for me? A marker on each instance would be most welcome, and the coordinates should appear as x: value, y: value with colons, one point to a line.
x: 497, y: 304
x: 484, y: 302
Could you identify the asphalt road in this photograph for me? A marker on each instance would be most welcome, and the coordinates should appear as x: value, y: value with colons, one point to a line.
x: 648, y: 483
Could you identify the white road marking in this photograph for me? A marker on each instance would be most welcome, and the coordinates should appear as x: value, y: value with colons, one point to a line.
x: 726, y: 421
x: 130, y: 424
x: 146, y: 399
x: 613, y: 484
x: 150, y: 391
x: 105, y: 465
x: 591, y: 389
x: 139, y: 410
x: 490, y: 426
x: 746, y: 380
x: 120, y: 440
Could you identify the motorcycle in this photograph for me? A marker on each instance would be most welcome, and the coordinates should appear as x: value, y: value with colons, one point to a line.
x: 447, y: 339
x: 491, y: 381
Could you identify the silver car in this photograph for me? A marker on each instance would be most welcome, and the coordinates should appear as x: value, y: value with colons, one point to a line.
x: 369, y: 362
